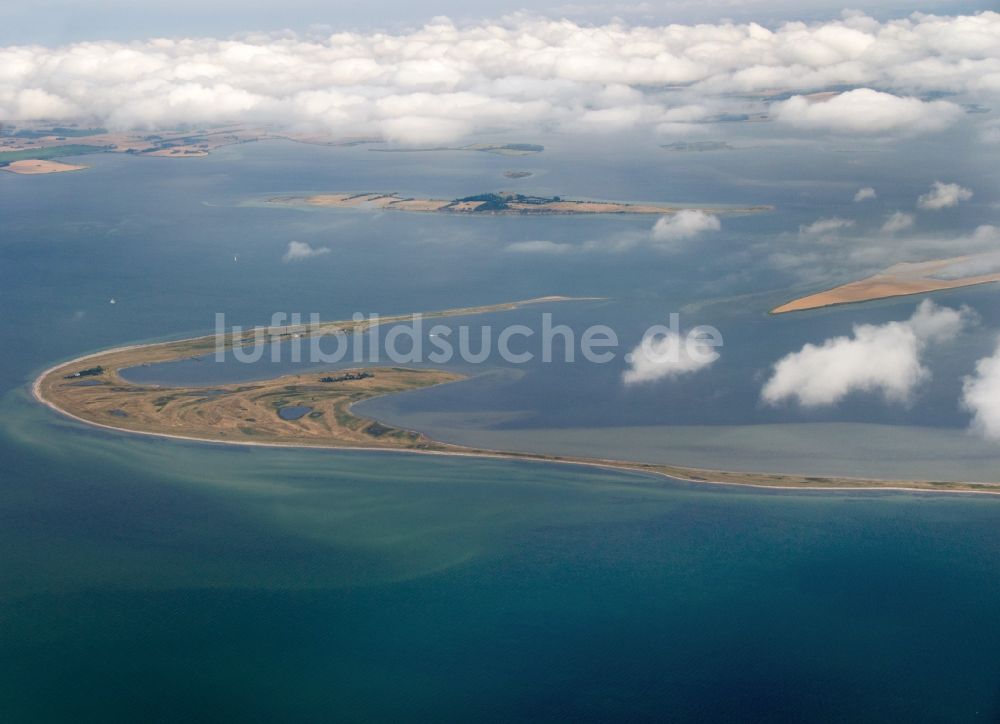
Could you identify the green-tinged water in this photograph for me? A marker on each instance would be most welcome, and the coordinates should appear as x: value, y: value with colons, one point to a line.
x: 174, y: 579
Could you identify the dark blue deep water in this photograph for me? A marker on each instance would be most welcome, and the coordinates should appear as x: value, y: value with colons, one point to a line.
x: 157, y: 580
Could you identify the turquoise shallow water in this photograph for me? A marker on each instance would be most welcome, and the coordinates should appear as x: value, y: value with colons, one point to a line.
x: 157, y: 580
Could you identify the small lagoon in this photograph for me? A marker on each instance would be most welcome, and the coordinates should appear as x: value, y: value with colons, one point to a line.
x: 293, y: 412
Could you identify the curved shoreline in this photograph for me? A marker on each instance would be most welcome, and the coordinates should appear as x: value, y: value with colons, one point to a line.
x: 683, y: 474
x: 490, y: 454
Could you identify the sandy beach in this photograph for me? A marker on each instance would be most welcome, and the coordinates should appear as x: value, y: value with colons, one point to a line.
x: 897, y: 281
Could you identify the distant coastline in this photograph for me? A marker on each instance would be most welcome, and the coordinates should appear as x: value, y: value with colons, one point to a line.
x: 32, y: 144
x: 501, y: 149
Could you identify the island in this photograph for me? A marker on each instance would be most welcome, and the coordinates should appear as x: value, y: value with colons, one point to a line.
x: 901, y: 280
x: 500, y: 202
x: 314, y: 410
x: 36, y: 166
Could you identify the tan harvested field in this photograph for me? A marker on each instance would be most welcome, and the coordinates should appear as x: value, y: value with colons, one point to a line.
x: 91, y: 389
x: 423, y: 205
x: 898, y: 280
x: 180, y: 152
x: 33, y: 166
x: 373, y: 201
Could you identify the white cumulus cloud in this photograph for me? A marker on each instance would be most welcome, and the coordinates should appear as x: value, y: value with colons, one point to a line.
x: 943, y: 196
x: 822, y: 227
x: 864, y: 194
x: 981, y: 396
x: 685, y: 224
x: 299, y: 250
x: 540, y: 246
x: 667, y: 235
x: 897, y: 221
x: 867, y: 111
x: 438, y: 82
x: 666, y: 353
x: 883, y: 358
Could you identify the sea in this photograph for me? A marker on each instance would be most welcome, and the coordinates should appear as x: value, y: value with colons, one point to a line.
x: 156, y: 579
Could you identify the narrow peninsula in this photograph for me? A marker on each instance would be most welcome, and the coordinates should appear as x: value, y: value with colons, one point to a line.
x: 902, y: 280
x: 315, y: 409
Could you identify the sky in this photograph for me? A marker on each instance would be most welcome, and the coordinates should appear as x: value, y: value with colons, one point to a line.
x: 54, y: 22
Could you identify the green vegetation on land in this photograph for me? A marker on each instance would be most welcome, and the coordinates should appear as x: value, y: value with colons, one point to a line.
x: 502, y: 201
x: 45, y: 154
